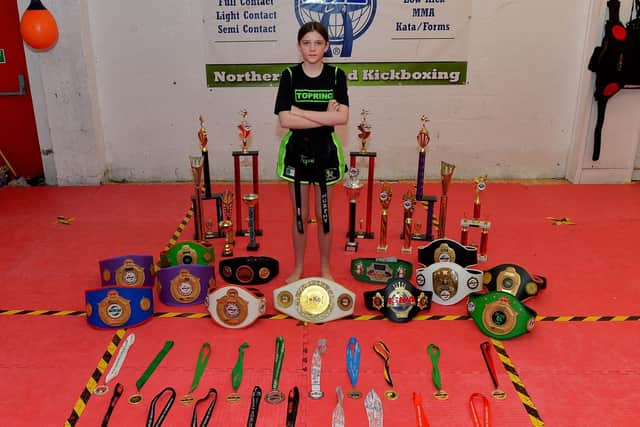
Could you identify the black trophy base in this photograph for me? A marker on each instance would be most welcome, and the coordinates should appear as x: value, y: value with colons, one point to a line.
x: 361, y: 235
x: 213, y: 234
x: 351, y: 247
x: 253, y: 246
x: 245, y: 232
x: 421, y: 237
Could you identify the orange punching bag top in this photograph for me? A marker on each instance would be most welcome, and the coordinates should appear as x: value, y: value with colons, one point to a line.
x: 38, y: 26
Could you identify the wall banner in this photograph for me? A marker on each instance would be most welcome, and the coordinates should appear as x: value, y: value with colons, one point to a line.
x: 391, y: 42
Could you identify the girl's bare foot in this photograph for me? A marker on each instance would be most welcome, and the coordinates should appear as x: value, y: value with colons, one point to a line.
x: 294, y: 276
x: 326, y: 273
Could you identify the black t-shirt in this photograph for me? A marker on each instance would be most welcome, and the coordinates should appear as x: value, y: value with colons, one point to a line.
x: 311, y: 93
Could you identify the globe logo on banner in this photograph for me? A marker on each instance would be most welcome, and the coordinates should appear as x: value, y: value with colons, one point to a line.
x: 346, y: 20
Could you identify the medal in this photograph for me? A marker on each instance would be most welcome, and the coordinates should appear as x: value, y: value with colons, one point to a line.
x: 275, y: 396
x: 434, y: 355
x: 213, y: 394
x: 201, y: 363
x: 236, y: 375
x: 373, y: 406
x: 137, y: 397
x: 383, y: 351
x: 497, y: 394
x: 117, y: 364
x: 486, y: 415
x: 353, y: 366
x: 337, y: 419
x: 255, y: 406
x: 316, y: 369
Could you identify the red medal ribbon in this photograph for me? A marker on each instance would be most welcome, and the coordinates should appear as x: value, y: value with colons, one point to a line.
x: 486, y: 422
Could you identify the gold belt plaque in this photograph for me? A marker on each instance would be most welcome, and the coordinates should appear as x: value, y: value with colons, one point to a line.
x: 314, y: 300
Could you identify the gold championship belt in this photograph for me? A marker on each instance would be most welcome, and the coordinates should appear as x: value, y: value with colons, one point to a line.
x: 234, y: 307
x: 515, y: 280
x: 314, y: 300
x: 449, y: 282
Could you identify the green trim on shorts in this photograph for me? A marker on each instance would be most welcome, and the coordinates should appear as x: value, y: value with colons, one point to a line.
x: 282, y: 151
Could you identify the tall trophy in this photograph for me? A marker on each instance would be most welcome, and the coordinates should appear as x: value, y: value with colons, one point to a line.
x: 364, y: 129
x: 196, y: 170
x: 408, y: 204
x: 209, y: 233
x: 252, y: 201
x: 446, y: 173
x: 385, y: 201
x: 475, y: 222
x: 226, y: 224
x: 245, y: 133
x: 428, y: 202
x: 353, y: 187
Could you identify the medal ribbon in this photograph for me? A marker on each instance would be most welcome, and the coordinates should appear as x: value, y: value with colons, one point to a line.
x: 255, y: 406
x: 236, y: 373
x: 292, y: 406
x: 201, y: 363
x: 122, y: 354
x: 485, y: 347
x: 277, y: 362
x: 434, y: 354
x: 168, y: 345
x: 117, y: 392
x: 337, y: 419
x: 207, y: 415
x: 373, y: 406
x: 421, y: 417
x: 486, y: 421
x: 353, y: 360
x: 151, y: 421
x: 383, y: 351
x: 316, y: 365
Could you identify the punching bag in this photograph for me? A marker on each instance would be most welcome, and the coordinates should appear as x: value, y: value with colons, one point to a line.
x: 38, y: 26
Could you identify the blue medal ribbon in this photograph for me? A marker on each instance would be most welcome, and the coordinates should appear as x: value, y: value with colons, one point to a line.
x: 353, y: 360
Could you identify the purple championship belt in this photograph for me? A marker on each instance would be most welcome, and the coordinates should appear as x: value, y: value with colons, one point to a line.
x: 185, y: 284
x: 127, y: 270
x: 119, y: 307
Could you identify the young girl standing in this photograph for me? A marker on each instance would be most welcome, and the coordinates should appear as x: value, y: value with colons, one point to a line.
x: 312, y: 99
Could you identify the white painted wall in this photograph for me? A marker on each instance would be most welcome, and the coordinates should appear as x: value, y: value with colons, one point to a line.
x: 132, y: 77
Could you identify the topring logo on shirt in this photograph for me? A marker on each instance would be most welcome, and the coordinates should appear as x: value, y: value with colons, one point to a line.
x: 311, y: 95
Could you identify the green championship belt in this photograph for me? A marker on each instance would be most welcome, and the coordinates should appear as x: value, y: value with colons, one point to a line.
x: 187, y: 253
x: 500, y: 315
x: 380, y: 270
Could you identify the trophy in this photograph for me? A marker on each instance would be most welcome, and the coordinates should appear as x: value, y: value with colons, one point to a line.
x: 252, y: 201
x: 385, y: 201
x: 203, y: 138
x: 196, y: 170
x: 226, y: 225
x: 427, y: 202
x: 353, y: 186
x: 364, y: 132
x: 446, y: 173
x: 245, y: 132
x: 476, y: 222
x: 408, y: 204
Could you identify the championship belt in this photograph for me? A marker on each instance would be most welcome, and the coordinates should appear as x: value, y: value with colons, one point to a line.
x: 188, y: 253
x: 400, y: 301
x: 119, y: 307
x: 127, y: 270
x: 447, y: 250
x: 515, y: 280
x: 249, y: 270
x: 500, y: 315
x: 234, y: 307
x: 380, y: 270
x: 449, y: 282
x: 314, y: 300
x: 185, y: 284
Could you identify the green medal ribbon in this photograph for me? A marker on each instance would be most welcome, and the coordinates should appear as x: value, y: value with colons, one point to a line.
x: 203, y: 359
x: 277, y: 362
x: 168, y: 345
x: 434, y: 354
x: 236, y: 373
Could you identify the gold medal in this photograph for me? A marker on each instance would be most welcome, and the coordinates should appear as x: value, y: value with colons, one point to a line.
x: 274, y: 397
x: 135, y: 399
x: 354, y: 394
x: 499, y: 394
x: 441, y: 395
x: 187, y: 400
x: 391, y: 394
x: 233, y: 397
x: 101, y: 389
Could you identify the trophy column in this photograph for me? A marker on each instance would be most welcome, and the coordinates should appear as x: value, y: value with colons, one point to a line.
x: 196, y: 170
x: 353, y: 187
x: 428, y: 202
x: 245, y: 133
x: 408, y: 204
x: 385, y: 201
x: 365, y: 131
x: 446, y: 173
x: 252, y: 201
x: 208, y: 195
x: 476, y: 222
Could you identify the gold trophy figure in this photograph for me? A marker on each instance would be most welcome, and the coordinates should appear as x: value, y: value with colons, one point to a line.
x: 481, y: 184
x: 408, y: 204
x: 252, y: 200
x: 245, y: 131
x: 446, y: 173
x: 385, y: 201
x: 196, y: 169
x: 365, y: 131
